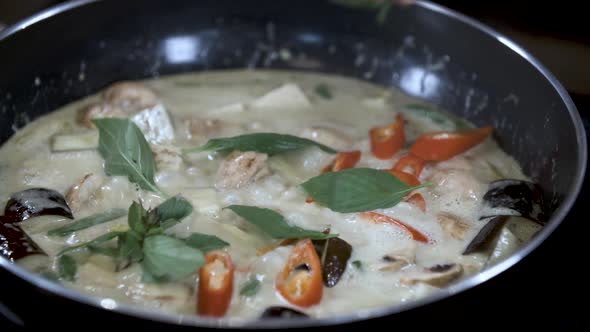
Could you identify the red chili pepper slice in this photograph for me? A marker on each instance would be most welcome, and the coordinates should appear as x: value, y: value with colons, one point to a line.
x: 300, y: 282
x: 410, y: 164
x: 216, y: 281
x: 417, y: 200
x: 381, y: 218
x: 408, y: 179
x: 447, y: 144
x: 342, y: 161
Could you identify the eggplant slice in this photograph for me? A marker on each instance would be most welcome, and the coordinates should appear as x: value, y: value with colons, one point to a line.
x: 506, y: 198
x: 14, y: 244
x: 282, y: 312
x: 334, y: 254
x: 37, y: 202
x: 509, y: 197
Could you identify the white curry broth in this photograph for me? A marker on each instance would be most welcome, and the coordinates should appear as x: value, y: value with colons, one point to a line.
x: 229, y: 103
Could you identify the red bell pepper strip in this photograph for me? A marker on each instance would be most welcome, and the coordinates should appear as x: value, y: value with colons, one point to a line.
x: 300, y: 282
x: 342, y: 161
x: 408, y: 179
x: 216, y: 282
x: 386, y: 141
x: 443, y: 145
x: 410, y: 164
x: 381, y: 218
x: 417, y: 200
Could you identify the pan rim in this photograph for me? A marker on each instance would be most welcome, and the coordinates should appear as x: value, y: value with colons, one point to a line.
x: 468, y: 283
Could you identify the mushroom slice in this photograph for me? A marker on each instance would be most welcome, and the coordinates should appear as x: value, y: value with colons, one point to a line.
x: 396, y: 261
x: 437, y: 275
x: 452, y: 225
x: 130, y: 96
x: 239, y: 169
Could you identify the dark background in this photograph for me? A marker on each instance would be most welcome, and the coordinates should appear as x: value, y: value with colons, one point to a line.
x: 549, y: 288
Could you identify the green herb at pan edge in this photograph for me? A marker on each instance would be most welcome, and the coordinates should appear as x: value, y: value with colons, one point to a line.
x: 323, y: 91
x: 251, y: 287
x: 269, y: 143
x: 67, y: 268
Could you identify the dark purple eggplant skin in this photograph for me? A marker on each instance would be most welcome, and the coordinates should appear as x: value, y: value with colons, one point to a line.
x: 36, y: 202
x: 482, y: 239
x: 282, y: 312
x: 523, y: 197
x: 13, y: 242
x: 334, y: 260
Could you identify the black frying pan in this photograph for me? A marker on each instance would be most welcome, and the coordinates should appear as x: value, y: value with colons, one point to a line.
x: 428, y: 51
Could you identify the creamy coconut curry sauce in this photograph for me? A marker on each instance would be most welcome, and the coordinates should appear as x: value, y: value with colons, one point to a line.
x: 242, y: 194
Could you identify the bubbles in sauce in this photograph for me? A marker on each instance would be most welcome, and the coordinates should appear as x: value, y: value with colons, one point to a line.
x: 202, y: 106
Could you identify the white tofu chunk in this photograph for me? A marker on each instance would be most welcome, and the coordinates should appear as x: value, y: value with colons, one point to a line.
x: 286, y: 96
x: 155, y: 123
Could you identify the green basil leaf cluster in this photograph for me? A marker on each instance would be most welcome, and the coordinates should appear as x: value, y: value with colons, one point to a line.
x: 163, y: 257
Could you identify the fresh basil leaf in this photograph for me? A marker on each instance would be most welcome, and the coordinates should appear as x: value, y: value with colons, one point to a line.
x: 93, y: 220
x: 169, y: 259
x: 251, y: 287
x: 269, y: 143
x: 149, y: 278
x: 137, y: 218
x: 129, y: 247
x: 323, y: 91
x: 159, y: 230
x: 358, y: 265
x: 106, y: 251
x: 126, y: 152
x: 67, y: 268
x: 274, y: 224
x: 357, y: 190
x: 172, y: 211
x: 101, y: 239
x: 205, y: 242
x: 49, y: 275
x: 442, y: 118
